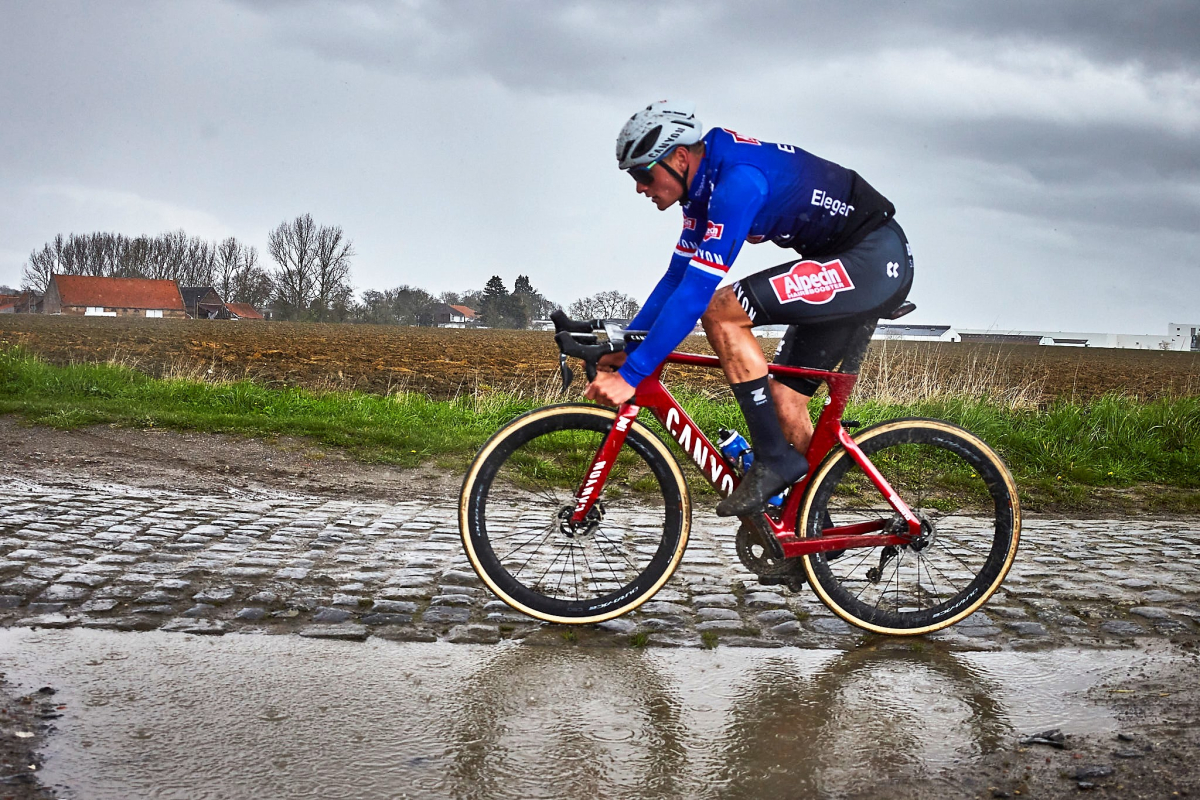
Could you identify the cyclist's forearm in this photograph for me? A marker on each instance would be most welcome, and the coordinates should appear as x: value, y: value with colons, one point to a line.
x: 687, y: 304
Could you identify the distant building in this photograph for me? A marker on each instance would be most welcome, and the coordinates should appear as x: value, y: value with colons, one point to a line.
x: 88, y: 296
x: 992, y: 337
x: 917, y: 333
x: 243, y: 311
x: 203, y: 302
x: 30, y: 303
x: 1131, y: 341
x: 448, y: 316
x: 1186, y: 334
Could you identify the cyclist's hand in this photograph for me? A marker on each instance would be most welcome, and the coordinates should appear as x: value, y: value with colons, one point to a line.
x: 609, y: 388
x: 611, y: 362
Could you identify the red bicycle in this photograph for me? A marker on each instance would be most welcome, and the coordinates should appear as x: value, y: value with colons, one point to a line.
x: 576, y: 513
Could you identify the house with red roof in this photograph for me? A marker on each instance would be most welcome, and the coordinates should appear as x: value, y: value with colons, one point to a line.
x: 243, y: 311
x: 89, y: 296
x: 448, y: 316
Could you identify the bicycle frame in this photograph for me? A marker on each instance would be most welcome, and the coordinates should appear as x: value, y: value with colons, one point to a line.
x: 827, y: 434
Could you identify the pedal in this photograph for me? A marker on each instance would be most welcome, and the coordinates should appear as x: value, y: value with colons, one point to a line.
x: 793, y: 580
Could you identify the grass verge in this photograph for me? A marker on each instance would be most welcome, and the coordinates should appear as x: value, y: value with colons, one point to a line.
x: 1115, y: 452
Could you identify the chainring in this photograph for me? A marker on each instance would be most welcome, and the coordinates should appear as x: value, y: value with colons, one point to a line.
x: 756, y: 557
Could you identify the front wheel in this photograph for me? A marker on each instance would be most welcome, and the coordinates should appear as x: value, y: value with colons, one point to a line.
x: 516, y: 504
x: 971, y: 524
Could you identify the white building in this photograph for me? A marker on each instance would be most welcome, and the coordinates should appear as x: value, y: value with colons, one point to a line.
x: 917, y: 333
x: 1129, y: 341
x: 1187, y: 334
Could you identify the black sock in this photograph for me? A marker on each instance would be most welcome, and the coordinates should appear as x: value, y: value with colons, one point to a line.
x: 754, y: 398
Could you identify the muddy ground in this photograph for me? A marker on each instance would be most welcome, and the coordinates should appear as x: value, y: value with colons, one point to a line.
x: 26, y: 718
x: 448, y: 362
x: 1153, y: 753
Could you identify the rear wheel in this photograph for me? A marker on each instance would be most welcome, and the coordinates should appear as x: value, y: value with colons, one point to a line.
x: 518, y: 498
x: 971, y: 524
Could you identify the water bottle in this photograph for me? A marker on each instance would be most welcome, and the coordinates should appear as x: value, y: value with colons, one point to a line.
x: 737, y: 451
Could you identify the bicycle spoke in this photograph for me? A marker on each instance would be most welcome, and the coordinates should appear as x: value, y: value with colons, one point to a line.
x: 512, y: 553
x: 957, y: 488
x: 524, y: 542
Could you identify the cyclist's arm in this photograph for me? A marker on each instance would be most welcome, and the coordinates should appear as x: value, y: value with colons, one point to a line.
x: 684, y: 250
x: 742, y: 191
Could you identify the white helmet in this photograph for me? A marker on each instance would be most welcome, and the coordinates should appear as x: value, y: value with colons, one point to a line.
x: 652, y: 132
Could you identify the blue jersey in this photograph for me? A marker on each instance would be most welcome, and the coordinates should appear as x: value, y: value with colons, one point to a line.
x: 745, y: 190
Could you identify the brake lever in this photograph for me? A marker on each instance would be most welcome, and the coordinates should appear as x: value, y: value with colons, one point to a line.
x: 565, y: 371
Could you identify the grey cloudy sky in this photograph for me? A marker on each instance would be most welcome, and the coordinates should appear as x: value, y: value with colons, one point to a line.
x: 1044, y: 157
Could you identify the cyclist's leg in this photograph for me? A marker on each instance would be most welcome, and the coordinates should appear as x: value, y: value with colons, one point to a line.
x: 776, y: 464
x: 729, y: 331
x: 791, y: 407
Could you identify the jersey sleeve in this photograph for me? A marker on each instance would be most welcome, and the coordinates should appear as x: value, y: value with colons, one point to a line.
x: 737, y: 198
x: 689, y: 240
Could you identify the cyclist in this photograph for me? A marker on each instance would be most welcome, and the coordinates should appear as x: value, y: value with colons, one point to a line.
x: 855, y: 264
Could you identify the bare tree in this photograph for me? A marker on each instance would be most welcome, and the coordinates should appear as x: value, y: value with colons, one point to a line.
x: 293, y: 247
x: 35, y: 274
x: 227, y: 257
x: 605, y: 305
x: 332, y: 274
x: 251, y: 283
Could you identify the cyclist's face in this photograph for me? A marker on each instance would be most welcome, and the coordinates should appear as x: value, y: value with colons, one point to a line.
x: 662, y: 189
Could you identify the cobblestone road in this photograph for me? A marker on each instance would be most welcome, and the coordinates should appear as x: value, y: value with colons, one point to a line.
x: 136, y: 559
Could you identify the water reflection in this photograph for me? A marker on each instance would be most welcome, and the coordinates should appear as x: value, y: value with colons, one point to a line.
x: 865, y: 715
x: 604, y: 723
x: 159, y: 715
x: 614, y: 723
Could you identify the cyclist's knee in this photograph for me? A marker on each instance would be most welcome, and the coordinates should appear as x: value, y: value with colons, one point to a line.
x: 723, y: 310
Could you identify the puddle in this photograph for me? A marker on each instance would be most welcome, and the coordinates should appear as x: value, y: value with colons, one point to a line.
x: 154, y: 715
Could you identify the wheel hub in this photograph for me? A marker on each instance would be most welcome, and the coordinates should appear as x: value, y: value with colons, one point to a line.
x: 572, y: 530
x: 898, y: 526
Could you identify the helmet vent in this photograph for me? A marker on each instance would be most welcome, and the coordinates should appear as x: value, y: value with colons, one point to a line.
x: 646, y: 142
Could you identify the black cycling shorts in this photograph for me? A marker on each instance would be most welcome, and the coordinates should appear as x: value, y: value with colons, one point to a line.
x: 824, y: 301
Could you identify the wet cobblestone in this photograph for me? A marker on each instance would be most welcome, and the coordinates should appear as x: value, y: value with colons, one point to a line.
x: 136, y: 559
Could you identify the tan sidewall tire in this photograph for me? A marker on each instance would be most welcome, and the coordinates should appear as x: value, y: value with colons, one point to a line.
x: 534, y: 417
x: 840, y: 453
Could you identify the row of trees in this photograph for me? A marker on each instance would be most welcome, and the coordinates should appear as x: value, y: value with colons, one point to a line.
x: 495, y: 306
x: 309, y: 278
x: 312, y: 275
x: 230, y: 266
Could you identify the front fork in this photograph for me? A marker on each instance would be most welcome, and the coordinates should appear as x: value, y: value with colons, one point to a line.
x: 593, y: 484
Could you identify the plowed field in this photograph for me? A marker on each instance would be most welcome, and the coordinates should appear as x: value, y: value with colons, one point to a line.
x: 446, y: 362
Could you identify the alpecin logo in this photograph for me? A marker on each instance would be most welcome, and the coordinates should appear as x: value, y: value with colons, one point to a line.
x: 714, y: 231
x: 812, y: 282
